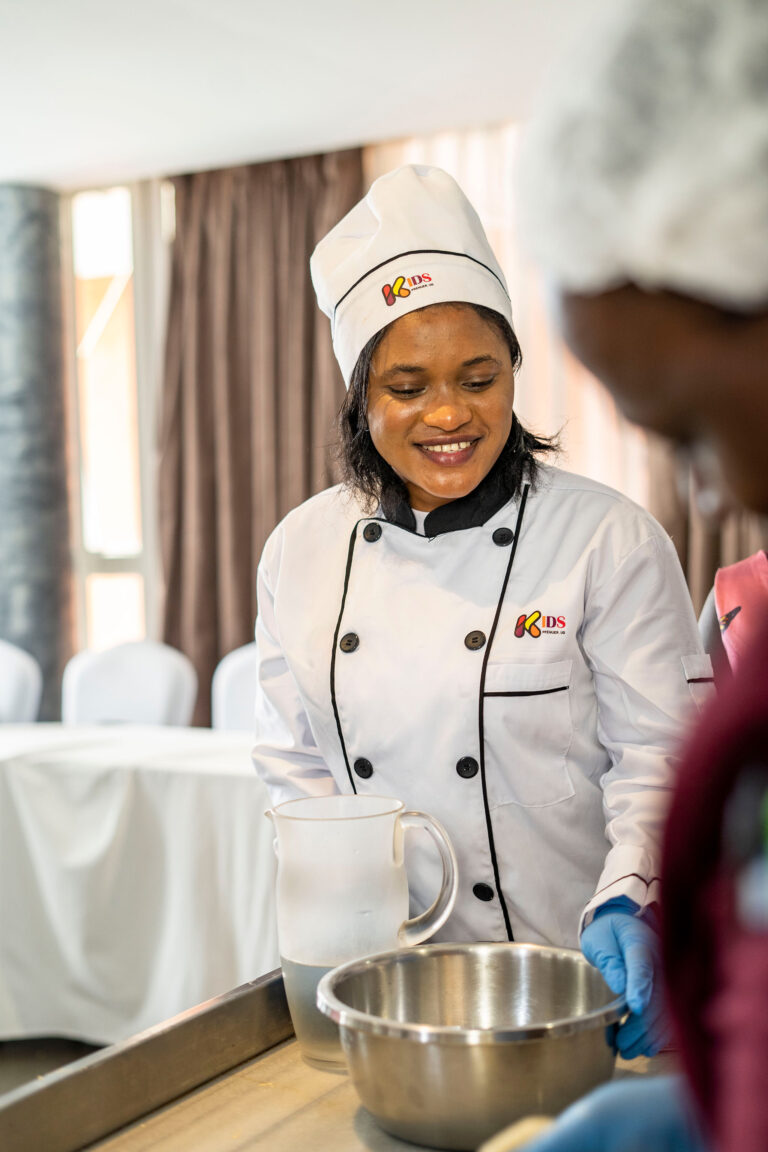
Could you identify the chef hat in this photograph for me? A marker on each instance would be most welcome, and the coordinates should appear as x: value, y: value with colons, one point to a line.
x: 648, y: 158
x: 414, y: 240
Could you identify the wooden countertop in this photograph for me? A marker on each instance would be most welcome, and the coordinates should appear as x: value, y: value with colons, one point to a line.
x: 275, y: 1101
x: 278, y: 1102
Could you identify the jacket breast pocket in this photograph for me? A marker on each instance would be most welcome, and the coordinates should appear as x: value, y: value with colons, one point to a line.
x: 527, y: 733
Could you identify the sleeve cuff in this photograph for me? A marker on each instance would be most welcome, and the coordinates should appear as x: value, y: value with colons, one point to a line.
x: 629, y: 872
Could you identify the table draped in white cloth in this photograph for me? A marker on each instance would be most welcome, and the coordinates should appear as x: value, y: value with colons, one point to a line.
x: 137, y: 876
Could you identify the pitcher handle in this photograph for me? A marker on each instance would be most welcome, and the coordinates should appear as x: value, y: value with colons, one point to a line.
x: 420, y: 928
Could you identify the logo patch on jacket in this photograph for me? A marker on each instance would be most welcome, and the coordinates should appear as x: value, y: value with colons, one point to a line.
x: 536, y: 624
x: 726, y: 620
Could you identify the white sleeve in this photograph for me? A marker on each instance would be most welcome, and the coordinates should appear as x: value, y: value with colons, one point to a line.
x: 285, y: 754
x: 641, y: 641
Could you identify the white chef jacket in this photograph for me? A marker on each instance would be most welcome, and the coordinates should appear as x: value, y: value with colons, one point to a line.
x: 524, y: 676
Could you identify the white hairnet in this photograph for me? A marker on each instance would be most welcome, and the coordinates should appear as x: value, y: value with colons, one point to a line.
x: 648, y: 158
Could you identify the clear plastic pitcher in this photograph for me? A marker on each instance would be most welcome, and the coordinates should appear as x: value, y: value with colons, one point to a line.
x: 342, y: 893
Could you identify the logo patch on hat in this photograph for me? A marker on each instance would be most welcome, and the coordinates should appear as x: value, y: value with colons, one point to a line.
x: 391, y: 292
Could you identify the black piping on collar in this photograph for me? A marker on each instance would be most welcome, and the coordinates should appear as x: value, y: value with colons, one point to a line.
x: 470, y: 511
x: 414, y: 252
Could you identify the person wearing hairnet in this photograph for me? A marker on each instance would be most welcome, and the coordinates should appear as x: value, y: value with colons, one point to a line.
x: 645, y: 199
x: 499, y: 643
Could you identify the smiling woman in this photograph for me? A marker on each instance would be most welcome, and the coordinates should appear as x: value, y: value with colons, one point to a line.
x: 440, y: 402
x: 445, y: 378
x: 498, y: 643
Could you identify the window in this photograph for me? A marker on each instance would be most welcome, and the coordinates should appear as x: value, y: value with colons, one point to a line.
x: 112, y: 410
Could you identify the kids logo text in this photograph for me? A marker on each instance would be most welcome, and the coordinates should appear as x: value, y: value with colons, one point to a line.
x: 403, y: 286
x: 534, y: 624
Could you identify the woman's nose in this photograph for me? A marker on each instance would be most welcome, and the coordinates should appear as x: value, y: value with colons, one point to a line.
x: 448, y: 416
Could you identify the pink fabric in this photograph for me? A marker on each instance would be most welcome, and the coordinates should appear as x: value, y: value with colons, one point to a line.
x: 717, y: 970
x: 741, y: 600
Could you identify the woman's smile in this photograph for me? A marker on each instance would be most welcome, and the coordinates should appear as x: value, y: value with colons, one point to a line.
x: 440, y: 395
x: 449, y: 453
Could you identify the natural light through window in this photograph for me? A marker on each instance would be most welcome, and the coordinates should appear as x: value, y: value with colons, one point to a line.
x: 108, y: 437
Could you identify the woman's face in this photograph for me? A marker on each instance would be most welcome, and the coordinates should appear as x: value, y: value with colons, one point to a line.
x: 440, y: 392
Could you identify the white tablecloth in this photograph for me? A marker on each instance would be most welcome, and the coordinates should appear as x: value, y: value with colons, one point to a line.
x: 136, y: 876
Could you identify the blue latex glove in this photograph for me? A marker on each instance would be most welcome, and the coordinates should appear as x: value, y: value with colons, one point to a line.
x: 638, y: 1114
x: 625, y: 949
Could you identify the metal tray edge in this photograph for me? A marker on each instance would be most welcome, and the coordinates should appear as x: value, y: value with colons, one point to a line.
x: 93, y: 1097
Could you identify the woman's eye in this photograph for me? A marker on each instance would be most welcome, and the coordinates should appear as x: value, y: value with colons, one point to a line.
x: 405, y: 391
x: 477, y: 385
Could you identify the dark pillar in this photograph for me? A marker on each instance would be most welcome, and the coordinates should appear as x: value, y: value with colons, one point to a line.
x: 35, y: 567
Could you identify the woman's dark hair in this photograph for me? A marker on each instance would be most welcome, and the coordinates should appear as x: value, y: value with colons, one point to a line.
x: 369, y: 475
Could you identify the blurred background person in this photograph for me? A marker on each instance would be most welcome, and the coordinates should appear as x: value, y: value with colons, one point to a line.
x: 733, y: 609
x: 645, y: 199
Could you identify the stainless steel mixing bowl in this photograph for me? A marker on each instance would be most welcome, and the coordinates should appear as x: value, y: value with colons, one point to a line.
x: 448, y: 1043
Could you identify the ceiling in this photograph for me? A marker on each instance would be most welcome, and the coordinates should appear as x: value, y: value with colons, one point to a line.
x: 94, y: 92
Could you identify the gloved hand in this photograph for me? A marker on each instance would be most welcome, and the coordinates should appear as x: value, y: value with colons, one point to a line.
x: 638, y: 1114
x: 625, y: 950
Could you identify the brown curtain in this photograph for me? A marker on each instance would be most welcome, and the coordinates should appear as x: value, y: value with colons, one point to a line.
x: 702, y: 547
x: 251, y: 387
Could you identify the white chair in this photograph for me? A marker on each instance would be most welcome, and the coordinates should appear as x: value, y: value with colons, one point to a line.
x: 142, y: 682
x: 233, y: 690
x: 21, y: 685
